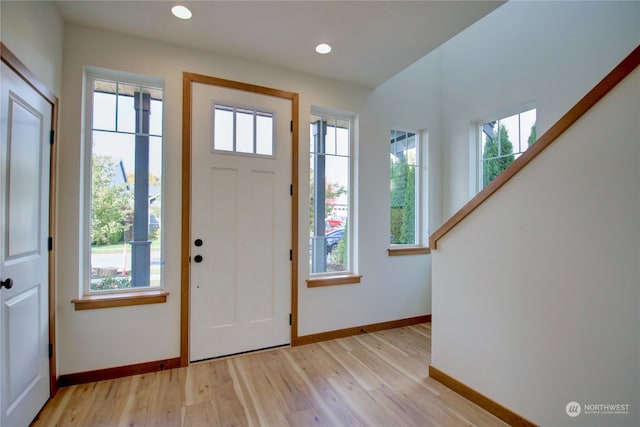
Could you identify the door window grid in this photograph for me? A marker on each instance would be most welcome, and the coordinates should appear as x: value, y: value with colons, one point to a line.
x: 242, y: 130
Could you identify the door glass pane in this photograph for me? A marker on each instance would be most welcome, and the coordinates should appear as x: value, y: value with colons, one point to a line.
x: 223, y: 129
x: 264, y: 134
x: 244, y: 131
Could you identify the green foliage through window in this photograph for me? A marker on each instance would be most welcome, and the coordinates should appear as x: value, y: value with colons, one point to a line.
x: 404, y: 163
x: 502, y: 141
x: 126, y: 184
x: 111, y: 204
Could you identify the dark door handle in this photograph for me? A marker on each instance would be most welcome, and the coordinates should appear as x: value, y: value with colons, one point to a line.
x: 198, y: 242
x: 197, y: 258
x: 6, y: 283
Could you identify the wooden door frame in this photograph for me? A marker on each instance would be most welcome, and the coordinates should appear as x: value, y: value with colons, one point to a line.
x: 25, y: 74
x: 185, y: 267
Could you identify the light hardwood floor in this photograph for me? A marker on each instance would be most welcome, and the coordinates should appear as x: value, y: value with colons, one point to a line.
x: 376, y: 379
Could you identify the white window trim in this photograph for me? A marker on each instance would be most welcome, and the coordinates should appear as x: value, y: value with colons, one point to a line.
x: 476, y: 140
x: 421, y: 184
x: 351, y: 230
x: 243, y: 107
x: 90, y: 74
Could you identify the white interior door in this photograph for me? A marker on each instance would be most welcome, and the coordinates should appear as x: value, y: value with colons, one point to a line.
x: 25, y: 120
x: 240, y: 221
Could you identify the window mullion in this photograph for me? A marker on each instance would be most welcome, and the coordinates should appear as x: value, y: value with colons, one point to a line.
x: 117, y: 96
x: 255, y: 132
x: 235, y: 124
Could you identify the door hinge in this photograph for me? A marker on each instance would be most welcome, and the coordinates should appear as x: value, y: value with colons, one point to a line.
x: 291, y: 125
x: 290, y: 319
x: 51, y: 136
x: 290, y: 254
x: 50, y: 244
x: 291, y: 190
x: 50, y: 350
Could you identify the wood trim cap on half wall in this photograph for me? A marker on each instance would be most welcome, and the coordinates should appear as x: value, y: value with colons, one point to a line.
x: 589, y: 100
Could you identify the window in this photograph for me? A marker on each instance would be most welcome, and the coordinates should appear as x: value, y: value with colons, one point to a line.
x: 405, y: 179
x: 124, y: 147
x: 243, y: 130
x: 502, y: 141
x: 330, y: 189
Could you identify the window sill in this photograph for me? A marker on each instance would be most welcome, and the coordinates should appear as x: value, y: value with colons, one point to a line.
x: 422, y: 250
x: 342, y: 279
x: 120, y: 300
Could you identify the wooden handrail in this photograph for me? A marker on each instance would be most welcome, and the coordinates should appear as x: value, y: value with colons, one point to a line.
x: 590, y: 99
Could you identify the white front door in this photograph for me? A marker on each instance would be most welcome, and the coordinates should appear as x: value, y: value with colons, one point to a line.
x: 25, y: 121
x: 240, y: 285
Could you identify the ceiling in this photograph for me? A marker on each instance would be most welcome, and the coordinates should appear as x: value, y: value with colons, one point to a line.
x: 371, y: 40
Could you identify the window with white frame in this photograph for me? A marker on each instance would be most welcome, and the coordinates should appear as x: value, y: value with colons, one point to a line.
x: 124, y: 164
x: 502, y: 141
x: 330, y: 194
x: 243, y: 130
x: 404, y: 185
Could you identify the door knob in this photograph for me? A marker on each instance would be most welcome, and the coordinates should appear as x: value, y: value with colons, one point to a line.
x: 198, y: 258
x: 198, y: 242
x: 6, y: 283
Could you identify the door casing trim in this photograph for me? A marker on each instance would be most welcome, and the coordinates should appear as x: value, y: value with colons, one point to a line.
x: 25, y: 74
x: 185, y: 244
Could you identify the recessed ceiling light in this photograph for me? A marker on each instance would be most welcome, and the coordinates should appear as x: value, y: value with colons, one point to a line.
x: 323, y: 48
x: 181, y: 12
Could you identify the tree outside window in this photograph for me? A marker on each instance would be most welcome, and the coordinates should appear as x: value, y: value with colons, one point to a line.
x: 404, y: 167
x: 125, y: 184
x: 504, y: 140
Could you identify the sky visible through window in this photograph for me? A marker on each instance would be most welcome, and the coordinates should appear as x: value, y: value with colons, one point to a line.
x: 337, y: 169
x: 121, y: 146
x: 502, y: 141
x: 124, y: 224
x: 518, y: 128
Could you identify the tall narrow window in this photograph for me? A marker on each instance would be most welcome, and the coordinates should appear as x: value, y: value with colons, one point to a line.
x: 125, y: 146
x: 405, y: 178
x: 330, y: 185
x: 502, y: 141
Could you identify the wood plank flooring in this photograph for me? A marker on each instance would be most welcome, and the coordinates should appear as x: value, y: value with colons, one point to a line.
x: 376, y: 379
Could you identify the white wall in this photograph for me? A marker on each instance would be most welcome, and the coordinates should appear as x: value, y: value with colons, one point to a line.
x: 551, y: 53
x: 536, y: 295
x: 392, y: 287
x: 95, y: 339
x: 546, y: 308
x: 33, y: 32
